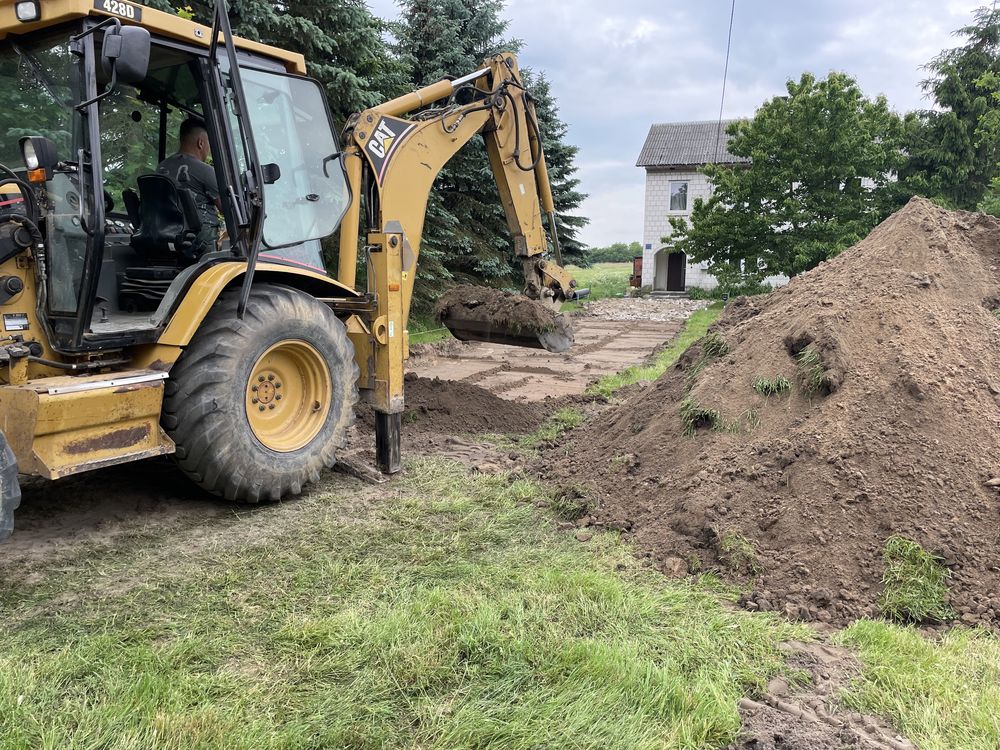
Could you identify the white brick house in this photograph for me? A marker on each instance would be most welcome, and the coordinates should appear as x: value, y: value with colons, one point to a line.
x: 672, y: 156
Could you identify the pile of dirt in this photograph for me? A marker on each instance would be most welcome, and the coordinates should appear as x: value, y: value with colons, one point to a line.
x: 496, y: 307
x: 451, y: 407
x: 889, y: 425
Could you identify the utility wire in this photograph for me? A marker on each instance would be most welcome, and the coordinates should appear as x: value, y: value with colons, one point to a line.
x: 725, y: 75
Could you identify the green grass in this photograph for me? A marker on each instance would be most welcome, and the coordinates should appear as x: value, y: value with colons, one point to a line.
x: 695, y: 327
x: 694, y: 416
x: 426, y: 330
x: 449, y: 614
x: 914, y: 584
x: 811, y: 372
x: 559, y: 423
x: 941, y: 694
x: 603, y: 279
x: 739, y: 554
x: 714, y: 346
x: 772, y: 386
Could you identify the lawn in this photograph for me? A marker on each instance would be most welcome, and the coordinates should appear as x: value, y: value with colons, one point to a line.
x: 603, y: 279
x: 450, y: 612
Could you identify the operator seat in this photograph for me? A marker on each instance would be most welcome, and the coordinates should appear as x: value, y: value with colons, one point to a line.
x: 169, y: 222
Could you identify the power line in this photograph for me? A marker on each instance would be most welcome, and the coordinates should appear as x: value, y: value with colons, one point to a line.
x: 725, y: 75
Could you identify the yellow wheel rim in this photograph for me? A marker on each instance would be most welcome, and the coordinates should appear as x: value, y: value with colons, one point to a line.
x: 288, y: 396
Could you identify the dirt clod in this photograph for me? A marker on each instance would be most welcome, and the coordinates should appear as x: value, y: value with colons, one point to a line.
x: 503, y: 309
x: 891, y: 426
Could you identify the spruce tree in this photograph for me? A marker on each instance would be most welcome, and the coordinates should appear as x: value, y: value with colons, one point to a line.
x: 954, y: 149
x: 560, y: 157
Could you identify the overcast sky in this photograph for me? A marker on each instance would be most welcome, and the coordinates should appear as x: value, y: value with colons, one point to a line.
x: 617, y: 66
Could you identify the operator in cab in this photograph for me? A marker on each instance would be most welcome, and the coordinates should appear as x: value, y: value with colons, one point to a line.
x: 188, y: 168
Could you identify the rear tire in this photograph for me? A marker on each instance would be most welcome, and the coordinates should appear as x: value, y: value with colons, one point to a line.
x: 10, y: 488
x: 259, y: 406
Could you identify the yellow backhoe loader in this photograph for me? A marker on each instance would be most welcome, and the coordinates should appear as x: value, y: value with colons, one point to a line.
x: 123, y: 339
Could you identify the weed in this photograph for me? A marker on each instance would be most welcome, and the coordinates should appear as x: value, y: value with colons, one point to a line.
x: 622, y: 463
x: 811, y: 372
x: 772, y: 386
x: 694, y: 329
x: 739, y: 554
x: 559, y: 423
x: 996, y: 313
x: 714, y: 346
x: 571, y: 503
x: 694, y: 416
x: 752, y: 418
x: 914, y: 585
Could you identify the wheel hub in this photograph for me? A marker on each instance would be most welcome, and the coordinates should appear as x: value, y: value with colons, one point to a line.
x: 288, y: 395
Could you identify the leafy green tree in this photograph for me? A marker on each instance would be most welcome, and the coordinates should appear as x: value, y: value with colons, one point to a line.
x: 820, y: 178
x: 954, y: 149
x: 618, y: 252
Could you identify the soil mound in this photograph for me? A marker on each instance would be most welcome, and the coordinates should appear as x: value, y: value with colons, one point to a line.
x: 452, y: 407
x: 494, y: 306
x: 859, y: 402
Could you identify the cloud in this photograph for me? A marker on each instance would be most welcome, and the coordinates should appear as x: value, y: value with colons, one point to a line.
x: 617, y: 67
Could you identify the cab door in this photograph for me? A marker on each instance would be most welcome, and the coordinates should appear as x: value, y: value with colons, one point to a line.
x: 284, y: 179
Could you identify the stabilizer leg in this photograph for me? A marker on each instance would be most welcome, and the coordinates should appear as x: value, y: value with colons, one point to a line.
x: 388, y: 452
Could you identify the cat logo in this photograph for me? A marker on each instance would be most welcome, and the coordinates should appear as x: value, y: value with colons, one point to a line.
x: 384, y: 140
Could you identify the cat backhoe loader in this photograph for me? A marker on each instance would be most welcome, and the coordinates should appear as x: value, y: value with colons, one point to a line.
x: 245, y: 359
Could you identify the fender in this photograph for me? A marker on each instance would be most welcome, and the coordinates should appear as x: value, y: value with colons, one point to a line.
x: 203, y: 292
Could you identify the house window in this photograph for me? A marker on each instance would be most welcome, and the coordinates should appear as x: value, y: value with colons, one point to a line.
x: 678, y: 196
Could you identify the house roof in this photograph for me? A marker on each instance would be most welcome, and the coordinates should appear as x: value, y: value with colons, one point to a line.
x: 672, y: 144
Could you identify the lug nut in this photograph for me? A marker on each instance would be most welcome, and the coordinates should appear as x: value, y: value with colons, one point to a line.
x: 277, y: 385
x: 270, y: 377
x: 260, y: 378
x: 278, y: 397
x: 256, y: 401
x: 261, y: 407
x: 253, y: 388
x: 270, y: 406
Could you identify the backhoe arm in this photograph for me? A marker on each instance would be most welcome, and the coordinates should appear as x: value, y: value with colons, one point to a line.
x: 393, y: 162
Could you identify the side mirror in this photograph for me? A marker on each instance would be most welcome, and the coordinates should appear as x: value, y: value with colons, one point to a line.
x: 40, y: 157
x: 125, y: 54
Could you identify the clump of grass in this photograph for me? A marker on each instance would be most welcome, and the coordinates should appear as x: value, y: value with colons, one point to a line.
x: 571, y: 503
x: 695, y: 327
x: 714, y: 346
x: 752, y: 418
x: 739, y: 554
x: 811, y: 372
x: 996, y: 313
x: 941, y: 692
x: 772, y: 386
x: 914, y: 585
x: 622, y: 463
x: 694, y: 416
x: 559, y: 423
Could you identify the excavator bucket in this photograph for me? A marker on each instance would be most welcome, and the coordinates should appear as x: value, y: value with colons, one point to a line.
x: 479, y: 314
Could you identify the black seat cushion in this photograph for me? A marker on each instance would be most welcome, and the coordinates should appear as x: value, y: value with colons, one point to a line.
x: 168, y: 221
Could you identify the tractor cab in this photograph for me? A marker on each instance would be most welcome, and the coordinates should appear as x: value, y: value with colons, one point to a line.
x: 94, y: 104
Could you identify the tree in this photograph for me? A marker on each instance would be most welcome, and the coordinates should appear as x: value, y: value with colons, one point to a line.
x: 466, y: 237
x: 342, y: 42
x: 618, y: 252
x: 820, y: 178
x: 954, y: 149
x: 560, y: 157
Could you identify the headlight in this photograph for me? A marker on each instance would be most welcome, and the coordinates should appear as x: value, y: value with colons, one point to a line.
x: 29, y: 154
x: 27, y: 11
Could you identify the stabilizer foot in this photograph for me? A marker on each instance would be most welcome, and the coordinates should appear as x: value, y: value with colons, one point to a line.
x: 388, y: 451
